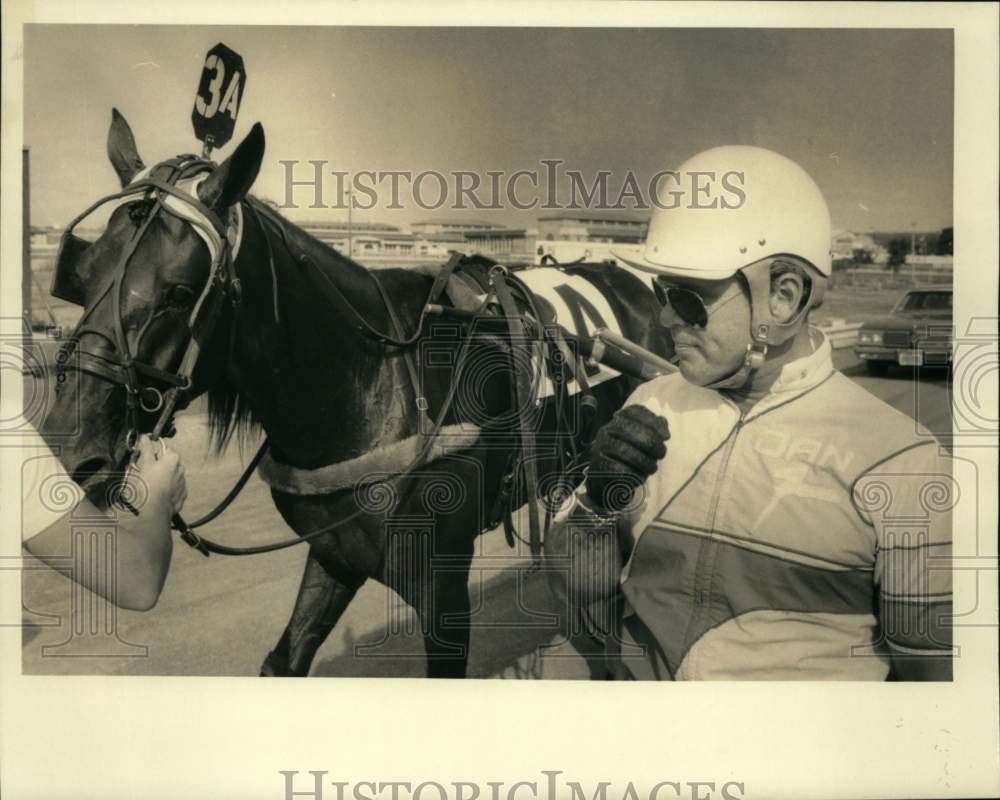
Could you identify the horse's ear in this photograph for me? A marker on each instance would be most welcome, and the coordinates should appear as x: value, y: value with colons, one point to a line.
x: 122, y: 150
x: 232, y: 179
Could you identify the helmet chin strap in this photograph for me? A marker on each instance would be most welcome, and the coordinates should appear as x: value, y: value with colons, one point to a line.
x: 764, y: 331
x: 738, y: 379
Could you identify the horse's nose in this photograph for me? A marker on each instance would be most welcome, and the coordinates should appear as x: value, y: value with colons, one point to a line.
x: 88, y: 467
x: 91, y: 472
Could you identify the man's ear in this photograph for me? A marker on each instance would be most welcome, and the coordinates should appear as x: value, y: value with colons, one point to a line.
x: 787, y: 292
x: 122, y: 151
x: 232, y: 179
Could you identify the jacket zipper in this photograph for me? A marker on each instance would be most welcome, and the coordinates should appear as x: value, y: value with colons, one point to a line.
x: 705, y: 565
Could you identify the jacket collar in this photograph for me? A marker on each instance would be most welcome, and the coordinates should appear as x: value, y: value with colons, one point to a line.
x: 808, y: 371
x: 799, y: 376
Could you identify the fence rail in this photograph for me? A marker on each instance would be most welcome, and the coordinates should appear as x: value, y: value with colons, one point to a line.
x: 905, y: 277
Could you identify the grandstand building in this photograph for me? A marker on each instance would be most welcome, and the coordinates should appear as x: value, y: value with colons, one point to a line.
x: 593, y: 226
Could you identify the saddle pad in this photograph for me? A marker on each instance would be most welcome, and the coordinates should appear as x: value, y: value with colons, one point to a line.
x: 568, y: 300
x: 575, y: 304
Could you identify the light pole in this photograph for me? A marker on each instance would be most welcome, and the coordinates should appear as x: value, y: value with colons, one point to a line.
x: 350, y: 243
x: 26, y: 273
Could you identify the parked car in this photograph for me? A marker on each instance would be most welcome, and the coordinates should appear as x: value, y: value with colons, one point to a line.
x: 917, y: 332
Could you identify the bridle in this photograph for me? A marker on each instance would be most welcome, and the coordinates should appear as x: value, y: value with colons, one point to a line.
x: 122, y: 365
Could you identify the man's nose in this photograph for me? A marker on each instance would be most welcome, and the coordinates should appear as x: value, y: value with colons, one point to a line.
x: 671, y: 319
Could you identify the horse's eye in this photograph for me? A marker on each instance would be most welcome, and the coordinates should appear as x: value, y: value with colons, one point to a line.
x: 137, y: 211
x: 180, y: 296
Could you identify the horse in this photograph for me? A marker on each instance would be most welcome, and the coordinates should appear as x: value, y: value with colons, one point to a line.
x: 275, y: 354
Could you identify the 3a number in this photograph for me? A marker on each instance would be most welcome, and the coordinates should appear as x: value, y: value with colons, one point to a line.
x: 228, y: 101
x: 208, y: 110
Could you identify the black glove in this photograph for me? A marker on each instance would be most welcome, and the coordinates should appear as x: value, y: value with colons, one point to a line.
x: 625, y: 452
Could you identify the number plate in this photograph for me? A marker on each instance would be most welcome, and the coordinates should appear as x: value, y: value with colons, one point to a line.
x: 220, y: 93
x: 911, y: 358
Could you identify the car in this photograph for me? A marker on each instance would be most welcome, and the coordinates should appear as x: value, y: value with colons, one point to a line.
x: 917, y: 332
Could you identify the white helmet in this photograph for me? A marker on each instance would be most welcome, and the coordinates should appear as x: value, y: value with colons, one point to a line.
x: 736, y: 209
x: 731, y: 207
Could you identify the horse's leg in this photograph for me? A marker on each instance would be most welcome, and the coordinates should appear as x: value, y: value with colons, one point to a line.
x: 321, y: 601
x: 445, y: 623
x: 440, y: 598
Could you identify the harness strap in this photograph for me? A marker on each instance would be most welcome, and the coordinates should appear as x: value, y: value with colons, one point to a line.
x: 443, y: 277
x: 411, y: 368
x: 121, y: 337
x: 440, y: 282
x: 524, y: 400
x: 334, y: 293
x: 578, y: 370
x: 110, y: 370
x: 501, y: 506
x: 180, y: 194
x: 186, y: 369
x: 588, y: 403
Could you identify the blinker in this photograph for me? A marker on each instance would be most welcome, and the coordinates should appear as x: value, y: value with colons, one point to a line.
x: 67, y: 283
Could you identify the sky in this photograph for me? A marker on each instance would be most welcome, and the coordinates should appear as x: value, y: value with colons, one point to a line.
x: 868, y: 113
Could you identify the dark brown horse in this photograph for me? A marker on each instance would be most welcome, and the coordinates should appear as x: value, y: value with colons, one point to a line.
x: 288, y: 361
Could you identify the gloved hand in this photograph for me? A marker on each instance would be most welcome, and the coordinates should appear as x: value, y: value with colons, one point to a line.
x: 624, y: 453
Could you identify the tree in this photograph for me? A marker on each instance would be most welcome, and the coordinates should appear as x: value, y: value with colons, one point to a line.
x: 862, y: 256
x: 898, y: 248
x: 946, y: 242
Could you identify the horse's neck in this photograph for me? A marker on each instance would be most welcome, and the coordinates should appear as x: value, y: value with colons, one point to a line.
x: 320, y: 389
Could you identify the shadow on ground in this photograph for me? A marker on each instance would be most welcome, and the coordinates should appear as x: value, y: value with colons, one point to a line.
x: 503, y: 634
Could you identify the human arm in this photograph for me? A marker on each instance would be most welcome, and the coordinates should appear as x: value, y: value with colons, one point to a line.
x: 142, y: 544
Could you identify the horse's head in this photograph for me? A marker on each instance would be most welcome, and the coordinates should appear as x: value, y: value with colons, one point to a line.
x: 152, y: 287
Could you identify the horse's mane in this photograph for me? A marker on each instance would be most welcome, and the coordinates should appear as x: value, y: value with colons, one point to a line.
x: 229, y: 413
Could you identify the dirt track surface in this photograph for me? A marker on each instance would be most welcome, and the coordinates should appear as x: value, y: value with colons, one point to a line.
x: 220, y: 616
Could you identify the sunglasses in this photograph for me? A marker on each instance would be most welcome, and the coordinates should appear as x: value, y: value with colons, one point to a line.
x: 687, y: 303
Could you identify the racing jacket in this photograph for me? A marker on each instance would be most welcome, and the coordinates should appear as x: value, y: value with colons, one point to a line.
x: 806, y: 538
